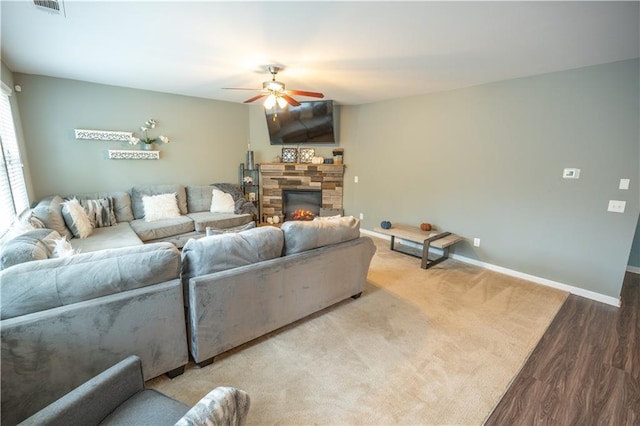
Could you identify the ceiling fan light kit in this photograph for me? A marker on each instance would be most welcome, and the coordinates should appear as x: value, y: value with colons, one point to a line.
x: 275, y: 92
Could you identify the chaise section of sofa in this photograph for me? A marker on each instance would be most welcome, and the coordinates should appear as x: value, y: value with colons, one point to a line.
x: 66, y: 319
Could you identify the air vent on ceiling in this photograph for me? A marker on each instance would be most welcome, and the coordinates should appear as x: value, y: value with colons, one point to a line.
x: 54, y: 7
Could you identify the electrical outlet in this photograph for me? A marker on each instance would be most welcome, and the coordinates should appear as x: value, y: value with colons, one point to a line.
x: 361, y: 216
x: 355, y: 179
x: 476, y: 242
x: 617, y: 206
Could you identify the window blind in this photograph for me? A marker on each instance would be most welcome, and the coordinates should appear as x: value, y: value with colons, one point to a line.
x: 13, y: 198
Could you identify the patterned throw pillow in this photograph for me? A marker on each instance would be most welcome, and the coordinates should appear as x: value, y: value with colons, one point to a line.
x: 100, y: 212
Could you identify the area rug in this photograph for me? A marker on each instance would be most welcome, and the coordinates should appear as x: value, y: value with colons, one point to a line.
x: 436, y: 346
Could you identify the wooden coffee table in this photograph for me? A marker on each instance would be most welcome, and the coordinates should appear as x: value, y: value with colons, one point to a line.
x: 438, y: 239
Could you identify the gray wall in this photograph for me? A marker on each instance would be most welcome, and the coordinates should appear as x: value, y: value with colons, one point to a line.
x: 484, y: 161
x: 487, y: 162
x: 208, y: 138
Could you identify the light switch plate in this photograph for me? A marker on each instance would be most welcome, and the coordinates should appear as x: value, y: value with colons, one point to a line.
x: 617, y: 206
x: 624, y: 184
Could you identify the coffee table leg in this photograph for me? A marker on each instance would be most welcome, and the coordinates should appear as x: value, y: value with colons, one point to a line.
x: 426, y: 263
x: 425, y: 253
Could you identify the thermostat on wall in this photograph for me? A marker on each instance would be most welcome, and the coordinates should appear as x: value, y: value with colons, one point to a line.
x: 571, y: 174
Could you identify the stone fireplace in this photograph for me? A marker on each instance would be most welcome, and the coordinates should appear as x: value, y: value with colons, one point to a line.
x: 326, y: 180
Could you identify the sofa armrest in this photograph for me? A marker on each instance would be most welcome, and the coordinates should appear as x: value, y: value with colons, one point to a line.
x: 92, y: 401
x: 221, y: 406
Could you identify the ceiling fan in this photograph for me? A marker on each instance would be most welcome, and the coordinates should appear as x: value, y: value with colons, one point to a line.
x: 275, y: 91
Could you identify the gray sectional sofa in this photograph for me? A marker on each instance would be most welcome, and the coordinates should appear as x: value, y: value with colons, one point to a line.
x: 66, y: 319
x: 193, y: 201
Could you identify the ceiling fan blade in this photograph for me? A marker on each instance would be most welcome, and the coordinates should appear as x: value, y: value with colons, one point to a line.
x: 255, y: 98
x: 290, y: 100
x: 238, y: 88
x: 305, y: 93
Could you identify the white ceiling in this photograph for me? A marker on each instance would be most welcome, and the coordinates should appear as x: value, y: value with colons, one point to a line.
x: 353, y: 52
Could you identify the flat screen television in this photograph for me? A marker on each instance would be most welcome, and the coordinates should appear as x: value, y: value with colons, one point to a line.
x: 309, y: 123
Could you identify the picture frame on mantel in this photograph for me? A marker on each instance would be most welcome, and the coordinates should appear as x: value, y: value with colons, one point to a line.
x: 307, y: 154
x: 289, y: 155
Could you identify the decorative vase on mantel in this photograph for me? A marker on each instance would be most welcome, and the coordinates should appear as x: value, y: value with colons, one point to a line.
x: 147, y: 146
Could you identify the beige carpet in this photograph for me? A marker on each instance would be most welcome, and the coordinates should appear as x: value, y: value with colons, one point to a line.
x: 437, y: 346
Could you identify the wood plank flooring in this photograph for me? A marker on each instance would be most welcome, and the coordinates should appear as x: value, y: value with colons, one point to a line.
x: 584, y: 371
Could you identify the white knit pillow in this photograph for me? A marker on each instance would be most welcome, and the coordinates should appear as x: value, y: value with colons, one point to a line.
x: 221, y: 202
x: 158, y: 207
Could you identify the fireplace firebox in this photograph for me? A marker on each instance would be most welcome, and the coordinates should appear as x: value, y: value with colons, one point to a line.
x: 296, y: 201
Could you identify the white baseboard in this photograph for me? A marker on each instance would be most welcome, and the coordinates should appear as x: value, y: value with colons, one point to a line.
x: 538, y: 280
x: 633, y: 269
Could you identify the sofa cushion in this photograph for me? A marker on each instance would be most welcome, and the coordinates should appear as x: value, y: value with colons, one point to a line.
x: 36, y: 244
x: 76, y: 218
x: 121, y: 203
x: 47, y: 284
x: 110, y: 237
x: 301, y: 236
x: 148, y: 231
x: 226, y: 251
x: 203, y: 220
x: 199, y: 198
x: 49, y: 211
x: 159, y: 207
x: 139, y: 191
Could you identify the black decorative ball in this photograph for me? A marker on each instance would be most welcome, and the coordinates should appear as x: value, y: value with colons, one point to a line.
x: 385, y: 224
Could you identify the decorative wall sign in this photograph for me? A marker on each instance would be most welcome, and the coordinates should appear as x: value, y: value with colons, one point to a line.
x: 103, y: 135
x: 307, y: 154
x: 130, y: 154
x: 289, y: 155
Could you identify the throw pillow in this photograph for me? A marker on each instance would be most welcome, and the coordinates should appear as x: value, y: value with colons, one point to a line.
x: 35, y: 222
x: 31, y: 245
x: 222, y: 202
x: 49, y: 211
x: 161, y: 206
x: 100, y: 212
x: 62, y: 248
x: 217, y: 231
x: 76, y: 218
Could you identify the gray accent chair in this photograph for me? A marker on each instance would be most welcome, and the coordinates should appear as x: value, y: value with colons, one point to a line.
x: 117, y: 396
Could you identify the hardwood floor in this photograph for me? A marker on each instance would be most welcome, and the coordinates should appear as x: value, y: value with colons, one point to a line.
x: 585, y: 370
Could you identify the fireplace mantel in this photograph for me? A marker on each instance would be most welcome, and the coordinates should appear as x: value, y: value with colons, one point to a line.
x: 274, y: 177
